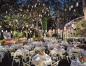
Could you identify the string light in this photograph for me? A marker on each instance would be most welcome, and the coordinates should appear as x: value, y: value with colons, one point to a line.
x: 32, y: 6
x: 49, y: 7
x: 39, y: 4
x: 65, y: 9
x: 40, y: 15
x: 35, y: 5
x: 23, y: 27
x: 11, y: 32
x: 6, y: 12
x: 71, y: 6
x: 1, y: 30
x: 33, y: 20
x: 23, y: 15
x: 0, y: 26
x: 48, y: 14
x: 77, y: 4
x: 74, y: 10
x: 43, y: 11
x: 20, y: 9
x: 28, y: 6
x: 26, y: 25
x: 10, y: 24
x: 43, y: 4
x: 16, y: 20
x: 37, y: 0
x: 27, y: 10
x: 6, y: 31
x: 70, y: 9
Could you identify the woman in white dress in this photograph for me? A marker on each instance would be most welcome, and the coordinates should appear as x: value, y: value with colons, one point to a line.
x: 41, y: 59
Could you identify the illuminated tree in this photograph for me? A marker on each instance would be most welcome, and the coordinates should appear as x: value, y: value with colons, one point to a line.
x: 81, y: 28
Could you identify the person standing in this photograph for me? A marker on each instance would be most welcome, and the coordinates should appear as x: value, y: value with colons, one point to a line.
x: 64, y: 61
x: 75, y: 61
x: 1, y: 35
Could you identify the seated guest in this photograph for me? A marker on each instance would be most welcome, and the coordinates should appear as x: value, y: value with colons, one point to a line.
x: 75, y: 61
x: 41, y: 59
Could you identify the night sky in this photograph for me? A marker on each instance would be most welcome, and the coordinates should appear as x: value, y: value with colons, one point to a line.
x: 51, y: 3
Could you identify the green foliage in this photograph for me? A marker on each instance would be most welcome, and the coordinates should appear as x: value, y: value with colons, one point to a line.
x: 81, y: 28
x: 44, y: 23
x: 17, y: 34
x: 16, y: 20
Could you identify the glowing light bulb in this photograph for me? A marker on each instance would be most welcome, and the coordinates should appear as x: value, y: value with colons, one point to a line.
x: 77, y: 4
x: 6, y: 30
x: 11, y: 31
x: 48, y: 14
x: 32, y: 6
x: 42, y: 11
x: 49, y: 7
x: 26, y: 25
x: 45, y: 12
x: 20, y: 9
x: 40, y: 15
x: 28, y: 6
x: 6, y: 12
x: 39, y: 4
x: 43, y: 4
x: 70, y: 9
x: 33, y: 20
x: 0, y: 26
x: 23, y: 15
x: 16, y: 20
x: 27, y: 10
x: 35, y: 5
x: 71, y: 6
x: 74, y: 10
x: 1, y: 30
